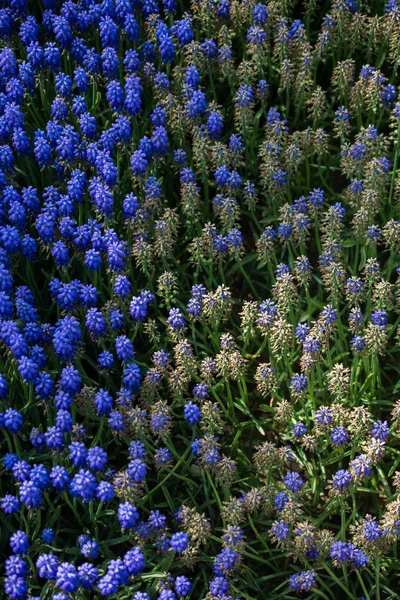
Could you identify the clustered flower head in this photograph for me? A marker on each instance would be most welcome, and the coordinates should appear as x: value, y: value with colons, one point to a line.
x: 199, y: 299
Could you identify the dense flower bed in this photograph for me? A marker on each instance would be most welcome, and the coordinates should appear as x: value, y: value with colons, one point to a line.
x: 199, y: 299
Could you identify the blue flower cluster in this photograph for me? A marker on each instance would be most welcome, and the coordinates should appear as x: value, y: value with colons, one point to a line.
x: 199, y: 299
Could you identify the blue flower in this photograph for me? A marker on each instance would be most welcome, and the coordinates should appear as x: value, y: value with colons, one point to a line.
x: 48, y: 535
x: 137, y: 470
x: 214, y: 125
x: 59, y: 478
x: 20, y: 469
x: 361, y: 466
x: 96, y: 458
x: 192, y: 413
x: 183, y: 30
x: 293, y: 481
x: 219, y: 586
x: 10, y: 504
x: 225, y: 562
x: 64, y: 420
x: 19, y: 543
x: 197, y: 104
x: 127, y: 515
x: 183, y: 585
x: 103, y: 402
x: 371, y: 530
x: 299, y: 382
x: 132, y: 377
x: 89, y: 548
x: 380, y: 430
x: 179, y: 542
x: 13, y: 420
x: 304, y: 581
x: 134, y: 561
x: 280, y: 500
x: 88, y: 575
x: 84, y: 484
x: 67, y: 577
x: 280, y: 530
x: 54, y: 438
x: 47, y: 566
x: 30, y: 495
x: 299, y: 429
x: 105, y: 360
x: 341, y: 480
x: 379, y: 318
x: 339, y: 436
x: 175, y: 319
